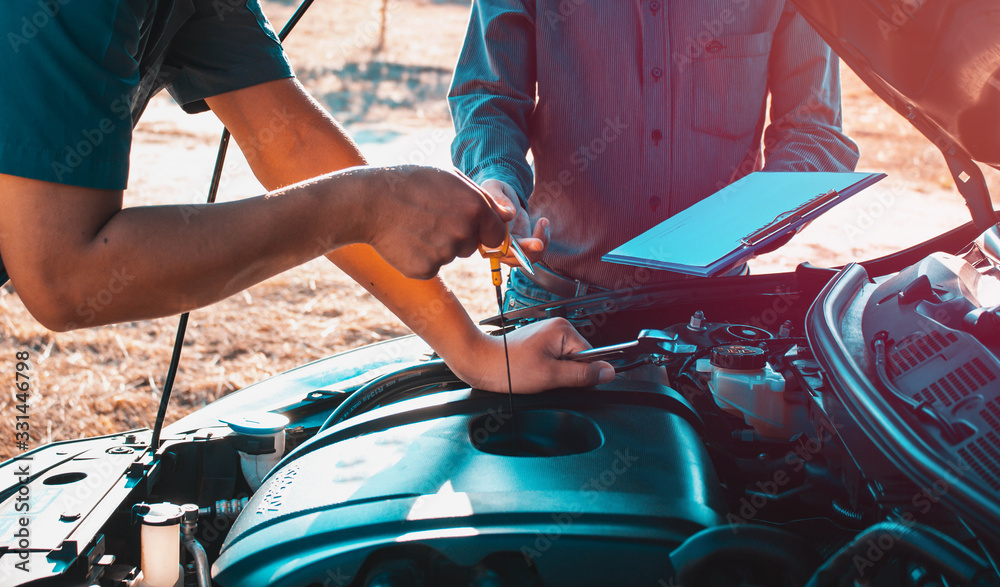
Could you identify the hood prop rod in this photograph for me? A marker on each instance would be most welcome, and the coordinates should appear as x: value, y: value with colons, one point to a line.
x: 213, y: 191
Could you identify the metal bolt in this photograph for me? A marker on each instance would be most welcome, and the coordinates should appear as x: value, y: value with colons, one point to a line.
x: 697, y: 321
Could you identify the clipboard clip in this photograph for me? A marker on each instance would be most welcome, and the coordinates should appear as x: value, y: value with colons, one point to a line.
x: 785, y: 220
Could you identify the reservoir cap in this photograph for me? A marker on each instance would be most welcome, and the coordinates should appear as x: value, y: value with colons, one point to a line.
x: 739, y: 357
x: 258, y: 423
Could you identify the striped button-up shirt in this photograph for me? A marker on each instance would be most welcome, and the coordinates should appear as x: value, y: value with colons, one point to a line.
x: 635, y: 109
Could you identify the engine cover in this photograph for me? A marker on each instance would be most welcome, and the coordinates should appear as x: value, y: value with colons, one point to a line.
x: 609, y: 488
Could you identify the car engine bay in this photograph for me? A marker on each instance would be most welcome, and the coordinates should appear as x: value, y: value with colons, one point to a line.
x: 760, y: 447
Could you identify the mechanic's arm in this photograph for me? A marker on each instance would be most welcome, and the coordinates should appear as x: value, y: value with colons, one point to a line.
x: 805, y: 131
x: 78, y: 259
x: 491, y: 98
x: 313, y: 144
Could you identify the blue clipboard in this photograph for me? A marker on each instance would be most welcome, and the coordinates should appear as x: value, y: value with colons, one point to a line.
x: 733, y: 224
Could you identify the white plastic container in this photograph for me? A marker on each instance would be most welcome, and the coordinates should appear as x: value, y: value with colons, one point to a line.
x: 160, y: 547
x: 262, y: 442
x: 745, y: 385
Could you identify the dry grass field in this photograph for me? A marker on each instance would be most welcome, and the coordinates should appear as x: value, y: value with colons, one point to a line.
x: 96, y: 381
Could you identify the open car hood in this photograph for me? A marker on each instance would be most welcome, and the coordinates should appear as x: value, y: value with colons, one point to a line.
x: 937, y: 64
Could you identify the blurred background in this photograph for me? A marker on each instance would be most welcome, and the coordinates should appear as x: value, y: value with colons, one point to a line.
x: 383, y: 69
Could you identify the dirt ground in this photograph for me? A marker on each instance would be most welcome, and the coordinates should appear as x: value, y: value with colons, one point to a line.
x: 101, y: 380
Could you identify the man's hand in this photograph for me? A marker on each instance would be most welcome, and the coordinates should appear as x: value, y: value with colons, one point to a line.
x: 533, y: 242
x: 425, y: 217
x: 536, y: 360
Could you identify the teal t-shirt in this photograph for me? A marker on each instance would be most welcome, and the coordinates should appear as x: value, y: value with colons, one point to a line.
x: 75, y: 76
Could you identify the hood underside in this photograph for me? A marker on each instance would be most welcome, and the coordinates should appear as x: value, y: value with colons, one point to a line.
x: 937, y: 63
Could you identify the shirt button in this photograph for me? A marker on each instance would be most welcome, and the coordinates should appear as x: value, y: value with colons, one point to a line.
x: 654, y: 5
x: 657, y: 136
x: 654, y: 202
x: 657, y: 73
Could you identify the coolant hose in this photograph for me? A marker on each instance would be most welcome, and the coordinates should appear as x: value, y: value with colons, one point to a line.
x: 388, y: 385
x: 892, y: 540
x: 729, y: 546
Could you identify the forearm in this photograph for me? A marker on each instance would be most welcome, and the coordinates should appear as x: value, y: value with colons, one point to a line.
x: 148, y: 262
x: 805, y: 132
x: 492, y: 95
x: 315, y: 145
x: 809, y: 137
x: 427, y: 307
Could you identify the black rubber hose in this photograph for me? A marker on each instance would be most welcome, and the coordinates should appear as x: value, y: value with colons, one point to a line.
x: 743, y: 546
x: 389, y: 385
x: 896, y: 540
x: 924, y: 411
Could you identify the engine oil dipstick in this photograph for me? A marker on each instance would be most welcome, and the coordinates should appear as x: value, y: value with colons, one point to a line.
x: 494, y: 255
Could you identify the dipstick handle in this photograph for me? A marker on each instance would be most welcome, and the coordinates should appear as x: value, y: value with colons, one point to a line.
x: 495, y: 271
x: 494, y: 255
